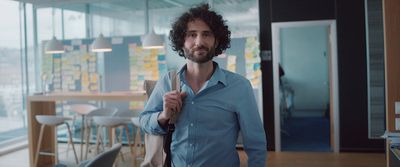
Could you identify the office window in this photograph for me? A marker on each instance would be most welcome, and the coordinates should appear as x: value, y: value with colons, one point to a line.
x: 102, y: 25
x: 12, y: 121
x: 45, y: 24
x: 74, y: 25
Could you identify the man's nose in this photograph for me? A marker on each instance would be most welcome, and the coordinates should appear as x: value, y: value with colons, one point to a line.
x: 199, y: 40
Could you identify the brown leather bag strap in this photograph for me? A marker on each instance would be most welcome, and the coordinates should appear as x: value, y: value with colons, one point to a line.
x: 175, y: 85
x: 175, y: 81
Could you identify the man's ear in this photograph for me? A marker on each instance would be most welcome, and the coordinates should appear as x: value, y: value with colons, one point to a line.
x: 216, y: 44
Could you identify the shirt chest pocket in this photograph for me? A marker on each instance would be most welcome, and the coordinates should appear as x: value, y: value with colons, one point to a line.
x: 214, y: 114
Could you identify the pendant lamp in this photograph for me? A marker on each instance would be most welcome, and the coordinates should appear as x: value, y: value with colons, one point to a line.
x: 100, y: 44
x: 54, y: 46
x: 151, y: 40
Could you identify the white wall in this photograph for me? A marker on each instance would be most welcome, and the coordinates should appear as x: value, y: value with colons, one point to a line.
x: 306, y: 65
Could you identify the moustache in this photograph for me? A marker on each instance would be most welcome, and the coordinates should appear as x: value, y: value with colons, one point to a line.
x: 200, y: 48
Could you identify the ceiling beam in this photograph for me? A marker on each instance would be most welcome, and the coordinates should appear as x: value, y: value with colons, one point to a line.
x: 56, y: 3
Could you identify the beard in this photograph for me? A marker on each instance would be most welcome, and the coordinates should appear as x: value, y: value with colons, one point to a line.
x: 203, y: 54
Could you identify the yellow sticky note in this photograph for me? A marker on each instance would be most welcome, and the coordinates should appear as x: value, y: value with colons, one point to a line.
x: 93, y: 78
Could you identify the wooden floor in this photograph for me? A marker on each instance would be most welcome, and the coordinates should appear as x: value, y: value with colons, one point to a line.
x: 282, y: 159
x: 312, y: 159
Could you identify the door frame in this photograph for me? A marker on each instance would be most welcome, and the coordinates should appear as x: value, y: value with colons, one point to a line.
x: 333, y: 77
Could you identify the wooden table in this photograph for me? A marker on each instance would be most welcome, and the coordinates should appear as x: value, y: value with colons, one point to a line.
x: 46, y: 105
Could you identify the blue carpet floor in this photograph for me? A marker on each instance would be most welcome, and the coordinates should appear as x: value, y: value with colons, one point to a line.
x: 309, y: 134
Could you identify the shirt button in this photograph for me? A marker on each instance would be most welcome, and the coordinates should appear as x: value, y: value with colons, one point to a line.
x: 192, y: 102
x: 190, y: 145
x: 191, y: 124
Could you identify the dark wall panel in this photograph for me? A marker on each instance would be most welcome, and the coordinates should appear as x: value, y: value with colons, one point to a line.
x: 350, y: 18
x: 266, y: 68
x: 280, y: 11
x: 290, y: 10
x: 351, y: 63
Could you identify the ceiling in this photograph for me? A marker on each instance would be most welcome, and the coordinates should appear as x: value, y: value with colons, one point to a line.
x: 240, y: 14
x: 132, y: 4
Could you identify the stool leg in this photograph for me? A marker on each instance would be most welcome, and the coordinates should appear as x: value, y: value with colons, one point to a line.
x: 141, y: 145
x: 55, y: 154
x: 82, y: 134
x: 73, y: 129
x: 121, y: 134
x: 138, y: 146
x: 88, y: 133
x: 39, y: 144
x: 111, y: 136
x: 98, y: 139
x: 128, y: 137
x: 114, y: 138
x: 72, y: 143
x: 103, y: 136
x: 129, y: 144
x: 137, y: 141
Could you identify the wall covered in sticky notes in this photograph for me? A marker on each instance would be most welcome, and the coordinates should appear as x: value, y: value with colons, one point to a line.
x: 123, y: 69
x: 127, y: 66
x: 76, y: 70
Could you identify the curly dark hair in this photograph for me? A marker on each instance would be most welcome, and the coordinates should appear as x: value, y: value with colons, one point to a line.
x: 211, y: 18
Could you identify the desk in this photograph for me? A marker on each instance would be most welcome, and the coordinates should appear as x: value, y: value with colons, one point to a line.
x: 46, y: 105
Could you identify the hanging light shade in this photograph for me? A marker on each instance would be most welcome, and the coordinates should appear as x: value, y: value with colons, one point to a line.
x: 54, y: 46
x: 152, y: 41
x: 100, y: 44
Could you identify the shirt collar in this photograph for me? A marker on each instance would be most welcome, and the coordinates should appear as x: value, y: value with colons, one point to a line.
x: 217, y: 76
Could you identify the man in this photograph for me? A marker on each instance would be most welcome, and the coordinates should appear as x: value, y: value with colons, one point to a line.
x: 213, y: 104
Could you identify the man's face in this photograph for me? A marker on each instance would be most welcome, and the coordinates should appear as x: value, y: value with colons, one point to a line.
x: 200, y: 42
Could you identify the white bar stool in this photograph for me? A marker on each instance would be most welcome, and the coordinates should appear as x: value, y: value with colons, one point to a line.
x: 54, y: 121
x: 111, y: 123
x: 89, y: 120
x: 82, y: 110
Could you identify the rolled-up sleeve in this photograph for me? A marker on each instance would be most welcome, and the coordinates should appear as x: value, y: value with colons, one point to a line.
x: 254, y: 139
x: 154, y: 106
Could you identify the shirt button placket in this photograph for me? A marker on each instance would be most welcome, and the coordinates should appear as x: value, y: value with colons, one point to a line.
x: 191, y: 149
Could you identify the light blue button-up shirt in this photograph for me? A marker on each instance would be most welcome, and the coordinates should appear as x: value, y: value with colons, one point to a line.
x: 207, y: 129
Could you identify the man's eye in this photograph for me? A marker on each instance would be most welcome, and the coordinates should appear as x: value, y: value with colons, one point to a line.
x: 191, y: 35
x: 207, y: 34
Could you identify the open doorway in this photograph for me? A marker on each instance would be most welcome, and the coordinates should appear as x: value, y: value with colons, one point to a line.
x: 305, y: 86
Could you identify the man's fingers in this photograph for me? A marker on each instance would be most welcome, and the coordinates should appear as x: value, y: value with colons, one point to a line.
x: 174, y: 105
x: 183, y: 95
x: 173, y: 101
x: 175, y: 96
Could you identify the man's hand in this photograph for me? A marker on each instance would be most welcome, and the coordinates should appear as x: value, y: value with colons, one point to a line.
x: 172, y: 104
